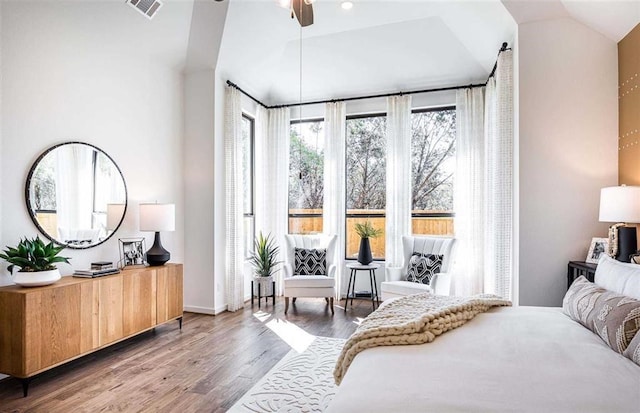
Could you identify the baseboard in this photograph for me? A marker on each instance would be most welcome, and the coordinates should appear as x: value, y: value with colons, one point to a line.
x: 200, y: 310
x: 220, y: 309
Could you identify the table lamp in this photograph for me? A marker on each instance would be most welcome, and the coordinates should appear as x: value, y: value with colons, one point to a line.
x: 156, y: 218
x: 622, y: 204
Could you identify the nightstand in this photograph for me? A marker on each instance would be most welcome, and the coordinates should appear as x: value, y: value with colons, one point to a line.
x: 577, y: 268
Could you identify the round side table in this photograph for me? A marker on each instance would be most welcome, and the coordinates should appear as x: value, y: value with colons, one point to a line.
x: 355, y: 267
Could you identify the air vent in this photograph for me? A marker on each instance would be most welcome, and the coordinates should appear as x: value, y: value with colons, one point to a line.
x: 146, y: 7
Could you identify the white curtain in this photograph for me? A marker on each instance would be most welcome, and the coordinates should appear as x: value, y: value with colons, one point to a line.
x: 483, y: 194
x: 499, y: 205
x: 398, y: 196
x: 469, y: 191
x: 234, y: 259
x: 334, y: 182
x: 272, y: 177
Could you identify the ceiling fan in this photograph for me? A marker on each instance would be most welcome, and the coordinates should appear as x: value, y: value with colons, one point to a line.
x: 303, y: 11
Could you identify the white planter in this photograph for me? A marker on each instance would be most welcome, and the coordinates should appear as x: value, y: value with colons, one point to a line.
x: 36, y: 279
x: 266, y: 285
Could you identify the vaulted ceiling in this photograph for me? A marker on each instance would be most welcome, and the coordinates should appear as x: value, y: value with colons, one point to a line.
x: 384, y: 46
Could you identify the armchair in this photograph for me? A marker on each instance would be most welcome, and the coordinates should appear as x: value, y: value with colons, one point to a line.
x: 319, y: 285
x: 396, y: 284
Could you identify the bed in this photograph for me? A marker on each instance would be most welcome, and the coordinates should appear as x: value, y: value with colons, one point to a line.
x: 521, y: 359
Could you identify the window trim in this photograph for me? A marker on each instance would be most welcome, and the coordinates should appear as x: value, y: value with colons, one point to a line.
x: 294, y: 215
x: 346, y: 214
x: 433, y: 214
x: 251, y: 212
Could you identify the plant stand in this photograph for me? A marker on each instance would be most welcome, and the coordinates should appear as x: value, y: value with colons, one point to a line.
x: 261, y: 283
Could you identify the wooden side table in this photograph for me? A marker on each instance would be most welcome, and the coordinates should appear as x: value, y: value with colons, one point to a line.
x: 266, y: 297
x: 355, y: 267
x: 577, y: 268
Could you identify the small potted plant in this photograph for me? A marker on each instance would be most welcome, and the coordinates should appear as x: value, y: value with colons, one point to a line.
x: 366, y: 231
x: 264, y: 257
x: 36, y: 262
x: 264, y: 261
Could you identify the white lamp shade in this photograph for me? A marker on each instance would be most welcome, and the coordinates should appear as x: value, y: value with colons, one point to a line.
x: 620, y: 204
x: 115, y: 213
x: 157, y: 217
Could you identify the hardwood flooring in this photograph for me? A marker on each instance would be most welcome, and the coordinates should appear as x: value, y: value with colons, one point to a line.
x: 205, y: 367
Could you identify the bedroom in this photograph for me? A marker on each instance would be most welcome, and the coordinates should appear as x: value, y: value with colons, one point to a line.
x: 119, y: 85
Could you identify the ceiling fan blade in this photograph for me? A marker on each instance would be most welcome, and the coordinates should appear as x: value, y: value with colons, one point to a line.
x: 303, y: 12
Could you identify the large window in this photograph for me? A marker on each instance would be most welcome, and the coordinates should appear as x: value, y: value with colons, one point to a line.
x: 366, y: 180
x: 247, y: 183
x: 433, y: 134
x: 306, y: 176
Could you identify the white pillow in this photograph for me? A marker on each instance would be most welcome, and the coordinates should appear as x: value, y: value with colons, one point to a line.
x: 620, y: 277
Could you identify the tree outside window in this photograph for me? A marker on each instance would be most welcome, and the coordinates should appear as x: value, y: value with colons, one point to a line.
x: 306, y: 177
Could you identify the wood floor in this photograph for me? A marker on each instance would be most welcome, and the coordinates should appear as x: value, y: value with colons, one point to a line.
x: 205, y: 367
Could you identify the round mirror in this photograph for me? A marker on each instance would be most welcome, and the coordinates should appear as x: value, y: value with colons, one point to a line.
x: 76, y: 195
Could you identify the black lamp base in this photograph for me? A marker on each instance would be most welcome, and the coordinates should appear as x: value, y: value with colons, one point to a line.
x: 627, y: 243
x: 157, y: 255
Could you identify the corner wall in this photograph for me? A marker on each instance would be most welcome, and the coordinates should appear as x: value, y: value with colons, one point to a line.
x: 568, y: 123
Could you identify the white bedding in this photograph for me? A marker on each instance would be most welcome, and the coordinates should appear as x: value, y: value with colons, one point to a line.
x: 510, y: 359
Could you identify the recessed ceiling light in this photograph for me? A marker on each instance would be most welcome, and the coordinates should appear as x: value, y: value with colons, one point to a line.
x: 347, y: 5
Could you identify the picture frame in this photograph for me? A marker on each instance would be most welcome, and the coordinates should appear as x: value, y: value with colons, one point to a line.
x: 598, y: 247
x: 132, y: 252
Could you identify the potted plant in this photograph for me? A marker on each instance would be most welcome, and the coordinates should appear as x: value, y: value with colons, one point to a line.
x: 366, y: 231
x: 264, y: 260
x: 36, y: 262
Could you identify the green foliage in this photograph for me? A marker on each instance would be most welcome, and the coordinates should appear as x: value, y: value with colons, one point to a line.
x: 367, y: 230
x: 263, y: 259
x: 33, y: 255
x: 306, y: 166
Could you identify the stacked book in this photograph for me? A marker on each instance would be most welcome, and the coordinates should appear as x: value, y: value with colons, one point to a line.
x: 98, y: 269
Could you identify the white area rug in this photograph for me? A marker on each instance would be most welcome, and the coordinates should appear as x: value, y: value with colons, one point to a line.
x: 300, y: 382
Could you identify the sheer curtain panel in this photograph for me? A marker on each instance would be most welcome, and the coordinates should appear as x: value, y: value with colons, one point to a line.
x: 272, y: 177
x: 499, y: 203
x: 233, y: 200
x: 483, y: 194
x: 334, y: 182
x: 398, y: 192
x: 469, y: 192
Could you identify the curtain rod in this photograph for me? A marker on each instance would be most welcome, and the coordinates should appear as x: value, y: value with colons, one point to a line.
x: 411, y: 92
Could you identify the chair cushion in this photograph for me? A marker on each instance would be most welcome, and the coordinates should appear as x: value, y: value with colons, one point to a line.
x: 309, y: 281
x: 310, y: 261
x: 404, y: 287
x: 422, y: 267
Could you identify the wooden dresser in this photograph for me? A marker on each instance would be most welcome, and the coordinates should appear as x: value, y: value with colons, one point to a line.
x: 43, y: 327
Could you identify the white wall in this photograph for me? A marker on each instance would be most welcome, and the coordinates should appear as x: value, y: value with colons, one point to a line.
x: 101, y: 73
x: 568, y: 127
x: 204, y: 162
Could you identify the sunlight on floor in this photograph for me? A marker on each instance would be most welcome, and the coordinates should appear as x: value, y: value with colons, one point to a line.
x: 358, y: 321
x: 294, y: 336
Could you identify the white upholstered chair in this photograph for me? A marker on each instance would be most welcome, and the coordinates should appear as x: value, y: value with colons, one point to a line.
x: 396, y: 284
x: 322, y: 286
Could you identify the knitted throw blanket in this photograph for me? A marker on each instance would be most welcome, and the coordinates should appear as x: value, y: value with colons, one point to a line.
x: 413, y: 319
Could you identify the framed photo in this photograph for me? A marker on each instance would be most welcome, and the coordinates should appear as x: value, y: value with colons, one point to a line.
x: 132, y: 251
x: 598, y: 247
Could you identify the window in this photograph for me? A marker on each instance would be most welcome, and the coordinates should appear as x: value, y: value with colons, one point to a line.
x: 247, y: 183
x: 433, y: 134
x: 366, y: 180
x: 306, y: 176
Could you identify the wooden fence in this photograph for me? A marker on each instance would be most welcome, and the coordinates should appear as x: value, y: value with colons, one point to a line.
x: 420, y: 226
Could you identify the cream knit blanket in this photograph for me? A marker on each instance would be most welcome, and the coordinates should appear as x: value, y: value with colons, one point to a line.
x: 413, y: 319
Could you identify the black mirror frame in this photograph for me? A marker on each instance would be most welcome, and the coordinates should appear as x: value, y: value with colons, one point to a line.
x: 32, y: 214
